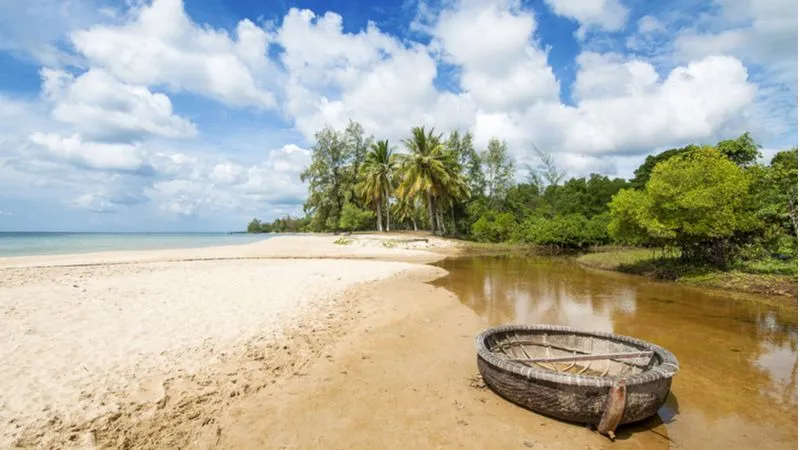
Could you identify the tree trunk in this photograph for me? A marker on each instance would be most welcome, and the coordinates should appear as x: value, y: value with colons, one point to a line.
x: 379, y: 210
x: 453, y: 216
x: 431, y: 213
x: 440, y: 221
x: 414, y: 222
x: 388, y: 212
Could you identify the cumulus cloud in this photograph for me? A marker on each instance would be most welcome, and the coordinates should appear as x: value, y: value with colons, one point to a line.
x: 161, y: 45
x: 492, y: 43
x: 624, y: 108
x: 101, y: 107
x: 367, y: 76
x: 91, y: 155
x: 606, y: 15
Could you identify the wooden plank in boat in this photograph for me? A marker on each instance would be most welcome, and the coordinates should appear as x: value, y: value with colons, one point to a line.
x: 594, y: 357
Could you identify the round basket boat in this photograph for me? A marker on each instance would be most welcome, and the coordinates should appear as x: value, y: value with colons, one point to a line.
x: 576, y: 375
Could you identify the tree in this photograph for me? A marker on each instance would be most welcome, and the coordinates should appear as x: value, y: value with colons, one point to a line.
x: 548, y: 170
x: 697, y: 202
x: 599, y: 192
x: 743, y: 151
x: 499, y: 169
x: 469, y: 161
x: 424, y: 170
x: 376, y: 179
x: 642, y: 174
x: 254, y: 226
x: 783, y: 174
x: 329, y: 179
x: 358, y: 145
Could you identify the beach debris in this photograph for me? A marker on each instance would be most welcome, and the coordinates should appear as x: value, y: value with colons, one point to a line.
x: 477, y: 382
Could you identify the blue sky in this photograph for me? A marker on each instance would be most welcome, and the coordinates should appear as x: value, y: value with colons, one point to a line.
x: 169, y: 115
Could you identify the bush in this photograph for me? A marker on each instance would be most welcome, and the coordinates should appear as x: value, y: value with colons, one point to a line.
x: 571, y: 232
x: 493, y: 227
x: 354, y: 218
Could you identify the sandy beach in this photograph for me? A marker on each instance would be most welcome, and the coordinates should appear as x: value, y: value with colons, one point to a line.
x: 86, y: 336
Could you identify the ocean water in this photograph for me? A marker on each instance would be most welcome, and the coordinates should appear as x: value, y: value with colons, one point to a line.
x: 51, y: 243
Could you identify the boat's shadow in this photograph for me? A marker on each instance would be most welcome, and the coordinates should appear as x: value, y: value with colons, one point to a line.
x: 666, y: 415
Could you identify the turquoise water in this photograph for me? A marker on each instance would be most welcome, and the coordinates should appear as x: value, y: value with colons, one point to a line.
x: 50, y: 243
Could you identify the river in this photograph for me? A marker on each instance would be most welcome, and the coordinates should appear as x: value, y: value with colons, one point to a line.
x: 737, y: 384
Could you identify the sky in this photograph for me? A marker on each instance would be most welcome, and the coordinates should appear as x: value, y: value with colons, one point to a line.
x: 170, y: 115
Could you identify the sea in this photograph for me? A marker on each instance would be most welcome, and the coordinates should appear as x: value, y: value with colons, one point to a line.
x: 53, y: 243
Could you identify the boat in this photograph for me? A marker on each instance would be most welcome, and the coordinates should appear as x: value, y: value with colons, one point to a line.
x: 596, y: 378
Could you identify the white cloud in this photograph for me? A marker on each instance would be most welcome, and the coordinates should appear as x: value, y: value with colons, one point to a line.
x: 95, y: 203
x: 368, y: 76
x: 100, y: 107
x: 623, y: 109
x: 160, y: 45
x: 92, y: 155
x: 610, y: 75
x: 502, y: 68
x: 606, y: 15
x: 206, y: 187
x: 761, y: 32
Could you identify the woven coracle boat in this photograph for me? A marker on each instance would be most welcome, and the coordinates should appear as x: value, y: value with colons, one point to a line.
x: 602, y: 379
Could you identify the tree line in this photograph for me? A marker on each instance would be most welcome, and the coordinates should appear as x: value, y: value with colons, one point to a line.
x: 708, y: 202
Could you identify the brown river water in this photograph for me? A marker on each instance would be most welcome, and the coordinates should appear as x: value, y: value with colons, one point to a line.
x: 737, y: 384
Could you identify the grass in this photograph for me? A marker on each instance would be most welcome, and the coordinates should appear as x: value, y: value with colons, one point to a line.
x: 343, y: 241
x: 771, y: 276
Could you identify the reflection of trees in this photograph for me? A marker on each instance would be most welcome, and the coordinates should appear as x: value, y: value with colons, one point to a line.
x: 737, y: 357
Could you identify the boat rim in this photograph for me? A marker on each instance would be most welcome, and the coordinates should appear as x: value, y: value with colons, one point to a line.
x: 665, y: 369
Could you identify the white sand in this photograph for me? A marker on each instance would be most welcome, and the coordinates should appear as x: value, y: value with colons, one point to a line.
x: 78, y: 340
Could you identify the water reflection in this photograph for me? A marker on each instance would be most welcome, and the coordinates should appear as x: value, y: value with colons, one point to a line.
x: 738, y: 358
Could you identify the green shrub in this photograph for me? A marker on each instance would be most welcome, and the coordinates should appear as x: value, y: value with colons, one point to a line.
x: 354, y: 218
x: 493, y: 227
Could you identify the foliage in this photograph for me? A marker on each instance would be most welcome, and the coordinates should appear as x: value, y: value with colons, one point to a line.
x: 743, y: 151
x: 499, y: 170
x: 570, y: 232
x: 697, y: 202
x: 354, y: 218
x: 254, y: 226
x: 376, y: 180
x: 642, y: 174
x: 493, y: 227
x: 286, y: 224
x: 329, y: 179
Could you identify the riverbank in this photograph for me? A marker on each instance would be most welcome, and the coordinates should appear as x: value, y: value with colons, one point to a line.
x: 647, y: 263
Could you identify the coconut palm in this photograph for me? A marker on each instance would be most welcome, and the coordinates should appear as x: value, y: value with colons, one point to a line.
x: 454, y: 189
x: 405, y: 210
x: 424, y: 170
x: 376, y: 179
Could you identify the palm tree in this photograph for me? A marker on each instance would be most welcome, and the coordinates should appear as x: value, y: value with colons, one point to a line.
x: 405, y: 209
x: 376, y: 179
x: 424, y: 170
x: 455, y: 188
